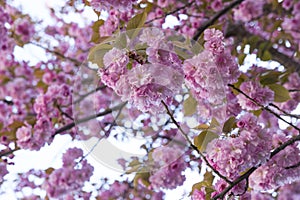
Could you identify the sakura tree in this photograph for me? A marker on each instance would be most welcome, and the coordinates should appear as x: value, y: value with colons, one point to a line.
x: 209, y: 86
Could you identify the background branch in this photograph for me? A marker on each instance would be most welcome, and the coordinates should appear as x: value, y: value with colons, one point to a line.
x: 214, y: 18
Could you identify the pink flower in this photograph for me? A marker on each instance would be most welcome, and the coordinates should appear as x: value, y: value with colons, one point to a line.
x: 24, y: 135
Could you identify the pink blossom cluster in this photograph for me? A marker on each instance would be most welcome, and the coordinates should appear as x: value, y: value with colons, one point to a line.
x: 122, y: 5
x: 24, y: 29
x: 261, y: 95
x: 122, y: 190
x: 6, y: 42
x: 214, y: 41
x: 169, y: 167
x: 282, y: 169
x: 207, y: 72
x: 289, y: 191
x: 3, y: 171
x: 292, y: 84
x: 248, y: 10
x: 251, y: 147
x: 35, y: 137
x: 71, y: 177
x: 144, y: 85
x: 291, y: 23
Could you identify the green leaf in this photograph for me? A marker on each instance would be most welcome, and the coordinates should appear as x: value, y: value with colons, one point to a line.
x: 96, y: 35
x: 270, y: 77
x: 189, y: 106
x: 203, y: 139
x: 137, y: 21
x: 208, y: 178
x: 143, y: 177
x: 229, y: 125
x: 281, y: 93
x: 121, y: 41
x: 214, y: 123
x: 266, y: 55
x: 241, y: 58
x: 97, y: 53
x: 201, y: 127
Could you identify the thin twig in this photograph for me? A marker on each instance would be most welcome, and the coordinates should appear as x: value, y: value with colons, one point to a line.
x: 264, y: 107
x: 89, y: 93
x: 6, y: 153
x: 213, y: 19
x: 79, y: 121
x: 171, y: 12
x: 108, y: 131
x: 76, y: 62
x: 64, y: 113
x: 192, y: 145
x: 284, y: 112
x: 273, y: 153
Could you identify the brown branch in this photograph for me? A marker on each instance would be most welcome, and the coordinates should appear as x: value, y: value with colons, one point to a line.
x: 79, y: 121
x: 273, y: 153
x: 251, y: 170
x: 239, y: 31
x: 7, y: 153
x: 106, y: 133
x: 171, y: 12
x: 214, y: 18
x: 284, y: 112
x: 264, y: 107
x: 89, y: 93
x: 76, y: 62
x: 192, y: 145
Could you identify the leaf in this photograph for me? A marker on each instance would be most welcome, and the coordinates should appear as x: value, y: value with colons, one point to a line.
x: 134, y: 165
x: 121, y: 41
x: 241, y: 58
x: 201, y: 127
x: 38, y: 73
x: 270, y: 77
x: 229, y: 125
x: 143, y: 177
x: 97, y: 53
x: 137, y: 21
x: 16, y: 124
x: 281, y: 94
x: 214, y: 123
x: 208, y: 178
x: 96, y: 35
x: 266, y: 55
x: 189, y: 106
x: 203, y: 139
x: 49, y: 170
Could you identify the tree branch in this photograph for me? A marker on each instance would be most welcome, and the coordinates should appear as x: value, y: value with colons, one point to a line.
x: 264, y: 107
x: 191, y: 144
x: 79, y: 121
x: 171, y: 12
x: 239, y: 31
x: 214, y: 18
x: 273, y: 153
x: 89, y: 93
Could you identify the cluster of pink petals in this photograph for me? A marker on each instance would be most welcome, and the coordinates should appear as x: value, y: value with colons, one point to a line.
x: 71, y: 177
x: 248, y: 10
x: 144, y: 85
x: 122, y: 5
x: 261, y: 95
x: 232, y: 156
x: 169, y: 167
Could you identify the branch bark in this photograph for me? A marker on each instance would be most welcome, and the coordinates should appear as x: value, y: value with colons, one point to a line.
x: 238, y: 31
x: 214, y: 18
x: 79, y: 121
